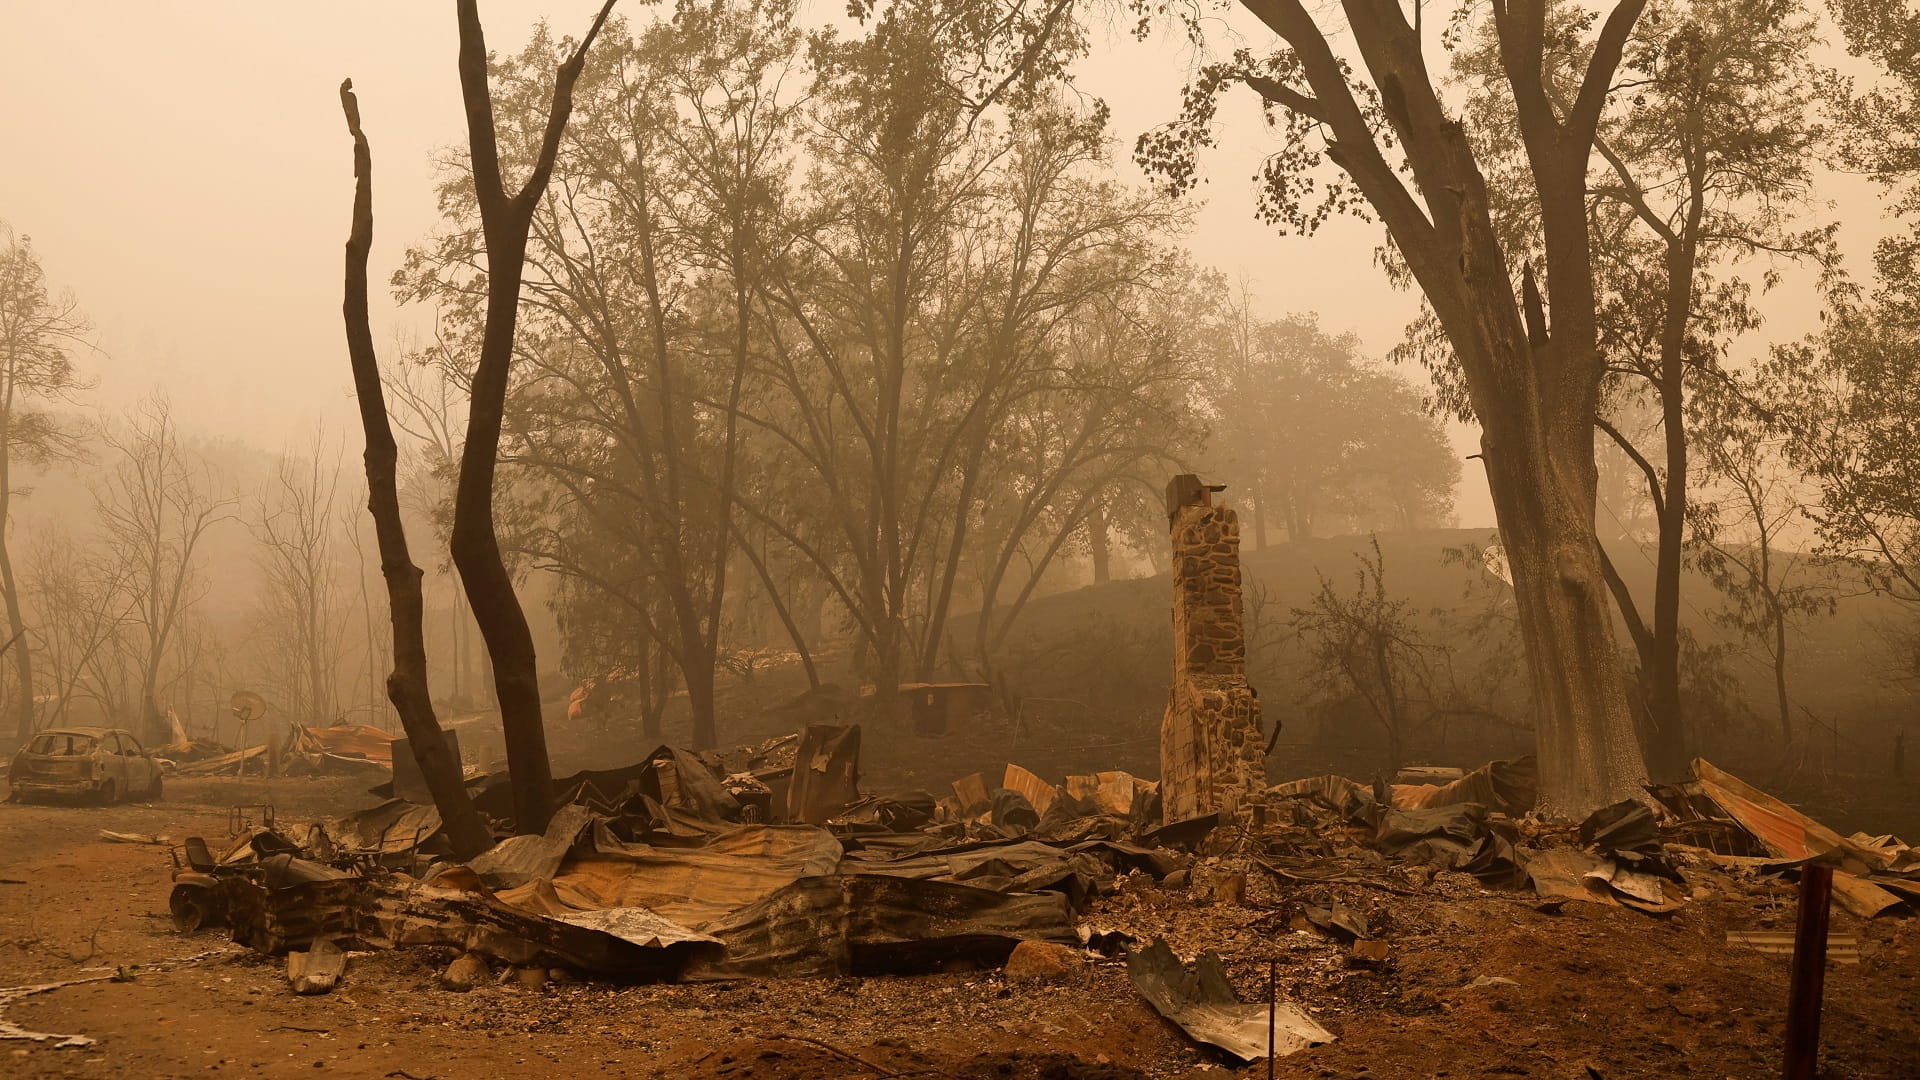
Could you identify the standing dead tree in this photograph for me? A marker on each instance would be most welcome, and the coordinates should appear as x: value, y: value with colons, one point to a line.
x: 505, y: 220
x: 293, y: 520
x: 156, y: 506
x: 407, y: 685
x: 82, y: 607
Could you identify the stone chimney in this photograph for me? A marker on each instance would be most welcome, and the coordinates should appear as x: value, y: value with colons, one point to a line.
x: 1211, y: 757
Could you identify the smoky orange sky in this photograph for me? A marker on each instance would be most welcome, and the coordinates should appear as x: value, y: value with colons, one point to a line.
x: 184, y: 169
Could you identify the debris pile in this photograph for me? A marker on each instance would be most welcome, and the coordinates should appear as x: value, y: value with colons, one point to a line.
x: 772, y: 863
x: 662, y: 871
x: 340, y: 748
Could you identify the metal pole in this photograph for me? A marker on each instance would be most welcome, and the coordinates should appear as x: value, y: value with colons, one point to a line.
x: 1273, y: 1008
x: 1808, y: 980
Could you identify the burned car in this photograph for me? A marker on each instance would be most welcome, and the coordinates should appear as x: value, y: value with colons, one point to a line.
x: 102, y: 763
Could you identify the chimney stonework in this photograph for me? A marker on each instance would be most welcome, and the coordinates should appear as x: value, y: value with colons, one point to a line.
x: 1211, y: 757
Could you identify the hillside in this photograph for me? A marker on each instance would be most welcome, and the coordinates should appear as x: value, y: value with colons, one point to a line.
x: 1090, y: 664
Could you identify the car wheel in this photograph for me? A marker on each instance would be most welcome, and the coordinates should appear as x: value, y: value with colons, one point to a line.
x: 194, y: 907
x: 109, y: 792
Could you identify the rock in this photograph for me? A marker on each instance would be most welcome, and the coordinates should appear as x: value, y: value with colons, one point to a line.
x: 531, y: 978
x: 465, y: 973
x: 1042, y: 960
x: 1178, y: 879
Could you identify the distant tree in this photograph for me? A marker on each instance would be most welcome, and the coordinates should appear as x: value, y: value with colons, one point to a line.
x: 294, y: 521
x: 1879, y: 117
x: 925, y: 322
x: 1113, y: 426
x: 81, y: 611
x: 156, y: 504
x: 38, y: 332
x: 1750, y: 498
x: 1847, y: 397
x: 1481, y: 672
x: 376, y: 635
x: 613, y: 649
x: 1308, y: 430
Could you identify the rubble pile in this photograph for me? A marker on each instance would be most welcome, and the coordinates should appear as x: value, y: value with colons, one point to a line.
x: 343, y: 749
x: 668, y: 870
x: 694, y: 868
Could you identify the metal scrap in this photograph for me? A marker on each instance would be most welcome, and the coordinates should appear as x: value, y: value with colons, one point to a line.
x: 826, y: 772
x: 1841, y: 948
x: 1202, y: 1003
x: 1510, y: 787
x: 1860, y: 870
x: 316, y: 970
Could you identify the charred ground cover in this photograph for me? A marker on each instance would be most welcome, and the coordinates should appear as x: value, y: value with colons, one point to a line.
x: 1629, y: 994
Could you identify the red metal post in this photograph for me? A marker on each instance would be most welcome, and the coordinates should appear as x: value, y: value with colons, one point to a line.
x: 1809, y: 977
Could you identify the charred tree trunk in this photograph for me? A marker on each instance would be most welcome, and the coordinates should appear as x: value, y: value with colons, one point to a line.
x: 782, y: 608
x: 505, y: 220
x: 1780, y: 677
x: 407, y: 685
x: 702, y: 704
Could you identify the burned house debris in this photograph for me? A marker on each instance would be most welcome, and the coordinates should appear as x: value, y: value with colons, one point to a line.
x: 652, y: 873
x: 774, y: 861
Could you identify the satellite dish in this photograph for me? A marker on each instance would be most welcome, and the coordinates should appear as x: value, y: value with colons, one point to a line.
x: 248, y: 705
